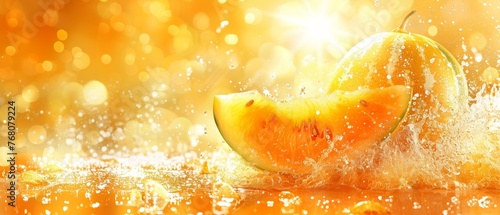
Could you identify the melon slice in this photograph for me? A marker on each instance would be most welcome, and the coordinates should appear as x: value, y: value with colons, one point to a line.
x: 294, y: 135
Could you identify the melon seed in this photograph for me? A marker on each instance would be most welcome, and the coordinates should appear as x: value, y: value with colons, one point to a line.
x: 363, y: 102
x: 249, y: 103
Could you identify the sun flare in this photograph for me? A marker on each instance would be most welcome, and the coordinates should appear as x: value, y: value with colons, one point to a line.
x: 317, y: 28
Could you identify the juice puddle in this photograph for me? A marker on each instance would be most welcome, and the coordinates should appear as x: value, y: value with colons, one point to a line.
x: 151, y: 185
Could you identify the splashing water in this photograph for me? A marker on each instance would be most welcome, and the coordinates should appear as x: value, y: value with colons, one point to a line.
x: 465, y: 155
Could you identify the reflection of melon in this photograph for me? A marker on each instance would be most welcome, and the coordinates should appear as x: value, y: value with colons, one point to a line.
x: 292, y: 136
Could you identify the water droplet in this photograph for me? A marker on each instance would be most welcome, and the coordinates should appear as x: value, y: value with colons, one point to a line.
x: 484, y: 202
x: 87, y: 195
x: 222, y: 25
x: 224, y: 198
x: 45, y: 200
x: 189, y: 71
x: 289, y: 201
x: 266, y: 92
x: 416, y: 205
x: 478, y: 57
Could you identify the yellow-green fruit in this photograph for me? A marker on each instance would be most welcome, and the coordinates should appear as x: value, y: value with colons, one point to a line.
x: 402, y: 58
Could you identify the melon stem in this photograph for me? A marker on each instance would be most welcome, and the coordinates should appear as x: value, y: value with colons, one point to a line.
x: 402, y: 27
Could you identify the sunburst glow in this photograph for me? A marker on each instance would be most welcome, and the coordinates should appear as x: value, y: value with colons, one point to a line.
x: 318, y: 27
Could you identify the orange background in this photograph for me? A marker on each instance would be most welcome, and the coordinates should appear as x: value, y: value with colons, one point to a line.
x: 137, y: 77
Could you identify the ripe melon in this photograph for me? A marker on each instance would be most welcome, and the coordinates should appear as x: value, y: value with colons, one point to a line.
x: 403, y: 58
x: 292, y: 136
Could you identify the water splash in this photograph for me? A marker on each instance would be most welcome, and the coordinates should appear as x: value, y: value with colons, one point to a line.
x: 464, y: 155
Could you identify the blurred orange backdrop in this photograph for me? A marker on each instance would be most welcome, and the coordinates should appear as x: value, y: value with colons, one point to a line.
x: 135, y: 77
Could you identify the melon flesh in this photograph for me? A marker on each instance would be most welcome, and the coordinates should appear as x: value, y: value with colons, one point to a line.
x: 295, y: 135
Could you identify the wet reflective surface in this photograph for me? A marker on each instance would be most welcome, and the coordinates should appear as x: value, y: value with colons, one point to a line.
x: 139, y: 186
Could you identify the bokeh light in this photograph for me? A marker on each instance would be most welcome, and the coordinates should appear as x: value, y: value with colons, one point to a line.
x: 31, y: 93
x: 95, y: 93
x: 37, y: 134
